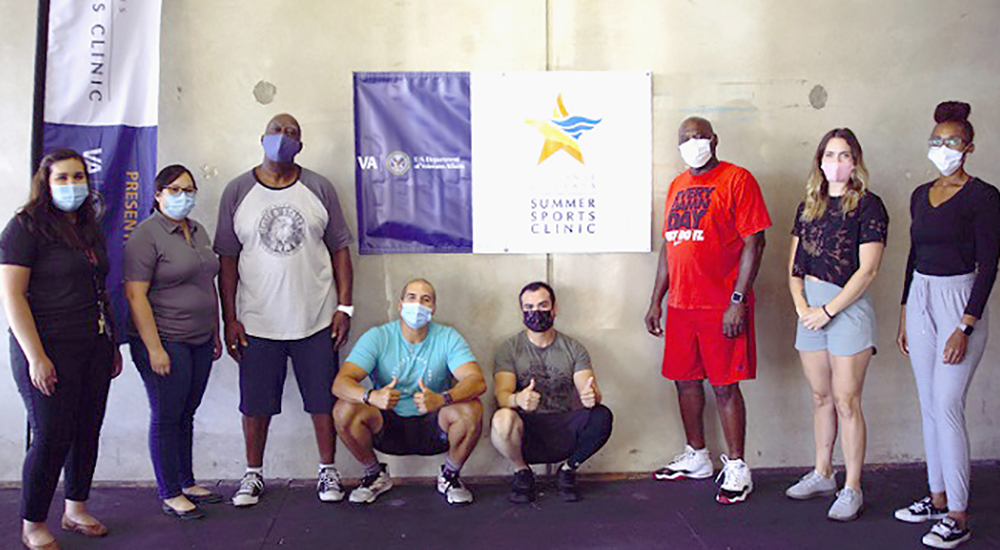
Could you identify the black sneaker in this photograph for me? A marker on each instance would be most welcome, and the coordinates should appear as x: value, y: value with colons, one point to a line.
x: 522, y: 487
x: 921, y: 510
x: 946, y: 534
x: 566, y: 484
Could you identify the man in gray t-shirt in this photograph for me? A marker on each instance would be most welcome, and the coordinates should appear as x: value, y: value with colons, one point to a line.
x: 285, y: 282
x: 549, y: 403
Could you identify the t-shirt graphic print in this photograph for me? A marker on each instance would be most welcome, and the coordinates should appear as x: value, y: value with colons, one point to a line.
x: 282, y: 229
x: 684, y: 219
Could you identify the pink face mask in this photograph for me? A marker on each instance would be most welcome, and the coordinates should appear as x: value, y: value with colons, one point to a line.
x: 837, y: 172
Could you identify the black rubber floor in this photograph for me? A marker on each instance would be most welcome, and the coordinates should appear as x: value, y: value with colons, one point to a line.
x: 625, y: 514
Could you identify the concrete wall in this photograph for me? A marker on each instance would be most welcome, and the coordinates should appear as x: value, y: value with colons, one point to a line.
x: 772, y: 75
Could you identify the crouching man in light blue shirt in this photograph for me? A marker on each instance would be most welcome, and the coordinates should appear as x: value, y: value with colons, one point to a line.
x: 424, y: 400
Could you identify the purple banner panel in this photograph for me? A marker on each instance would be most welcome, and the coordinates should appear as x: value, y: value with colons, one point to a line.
x: 413, y: 141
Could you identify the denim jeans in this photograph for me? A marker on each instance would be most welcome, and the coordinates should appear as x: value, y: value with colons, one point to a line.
x: 173, y: 400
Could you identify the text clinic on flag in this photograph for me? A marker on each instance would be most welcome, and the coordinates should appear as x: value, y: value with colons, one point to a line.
x: 101, y: 92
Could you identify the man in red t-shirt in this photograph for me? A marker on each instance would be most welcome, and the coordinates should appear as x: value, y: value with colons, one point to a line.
x: 713, y: 230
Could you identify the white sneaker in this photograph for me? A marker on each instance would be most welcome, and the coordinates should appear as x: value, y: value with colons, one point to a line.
x: 372, y: 486
x: 946, y: 534
x: 812, y: 485
x: 450, y: 485
x: 736, y: 481
x: 251, y: 487
x: 689, y: 464
x: 328, y: 488
x: 848, y: 505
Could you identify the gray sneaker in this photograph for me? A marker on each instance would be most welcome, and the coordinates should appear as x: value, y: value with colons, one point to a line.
x: 813, y: 485
x: 372, y: 485
x: 848, y: 505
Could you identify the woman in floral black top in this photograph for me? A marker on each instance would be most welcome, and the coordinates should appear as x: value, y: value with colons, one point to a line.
x: 837, y: 244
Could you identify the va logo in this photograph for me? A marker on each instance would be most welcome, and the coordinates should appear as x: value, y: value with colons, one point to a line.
x: 93, y: 158
x: 367, y: 163
x: 398, y: 163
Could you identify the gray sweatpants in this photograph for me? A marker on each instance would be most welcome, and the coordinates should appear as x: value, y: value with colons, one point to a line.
x: 934, y: 308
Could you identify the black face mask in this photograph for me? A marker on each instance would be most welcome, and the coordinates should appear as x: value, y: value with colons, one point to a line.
x: 538, y: 320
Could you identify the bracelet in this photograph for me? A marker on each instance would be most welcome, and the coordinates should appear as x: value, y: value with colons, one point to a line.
x: 823, y: 307
x: 368, y: 394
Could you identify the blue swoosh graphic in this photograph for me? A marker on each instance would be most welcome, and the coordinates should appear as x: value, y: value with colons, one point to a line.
x: 576, y: 125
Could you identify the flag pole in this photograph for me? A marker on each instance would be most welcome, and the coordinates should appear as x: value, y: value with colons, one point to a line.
x: 41, y: 63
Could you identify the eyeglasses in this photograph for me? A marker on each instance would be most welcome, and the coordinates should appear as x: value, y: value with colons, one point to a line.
x: 172, y: 190
x: 952, y: 142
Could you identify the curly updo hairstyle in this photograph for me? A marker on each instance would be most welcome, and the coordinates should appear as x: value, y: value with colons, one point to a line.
x: 957, y: 112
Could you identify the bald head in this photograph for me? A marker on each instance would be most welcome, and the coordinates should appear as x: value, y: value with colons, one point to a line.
x: 284, y: 124
x: 695, y: 127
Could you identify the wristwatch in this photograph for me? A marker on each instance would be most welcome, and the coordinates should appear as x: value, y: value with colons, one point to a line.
x: 448, y: 399
x: 366, y: 396
x: 349, y: 310
x: 738, y: 298
x: 966, y: 329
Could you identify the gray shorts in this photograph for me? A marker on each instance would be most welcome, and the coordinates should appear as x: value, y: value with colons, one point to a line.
x: 851, y: 331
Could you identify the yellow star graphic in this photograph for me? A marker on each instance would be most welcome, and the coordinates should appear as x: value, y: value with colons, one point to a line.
x: 555, y: 137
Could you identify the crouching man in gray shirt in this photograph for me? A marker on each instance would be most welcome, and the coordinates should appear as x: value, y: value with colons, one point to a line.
x: 549, y: 403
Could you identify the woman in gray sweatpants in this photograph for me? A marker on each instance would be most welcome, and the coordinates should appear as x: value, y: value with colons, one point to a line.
x: 955, y: 244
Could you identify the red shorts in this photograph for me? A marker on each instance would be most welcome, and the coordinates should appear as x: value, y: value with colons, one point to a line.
x: 696, y: 348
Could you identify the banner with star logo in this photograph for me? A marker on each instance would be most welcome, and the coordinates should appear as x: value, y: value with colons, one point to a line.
x: 516, y: 162
x: 563, y: 162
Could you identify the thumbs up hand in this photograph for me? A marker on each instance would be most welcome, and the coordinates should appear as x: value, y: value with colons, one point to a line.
x: 527, y: 399
x: 426, y: 400
x: 387, y: 397
x: 588, y: 395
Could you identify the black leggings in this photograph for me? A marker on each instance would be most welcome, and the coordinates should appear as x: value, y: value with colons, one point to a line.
x: 593, y: 436
x: 66, y: 426
x: 573, y: 436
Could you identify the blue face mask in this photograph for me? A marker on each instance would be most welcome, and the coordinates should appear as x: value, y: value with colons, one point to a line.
x: 416, y: 315
x: 177, y: 206
x: 281, y: 148
x: 68, y: 198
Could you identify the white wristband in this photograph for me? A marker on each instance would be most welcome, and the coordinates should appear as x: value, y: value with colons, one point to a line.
x: 349, y: 310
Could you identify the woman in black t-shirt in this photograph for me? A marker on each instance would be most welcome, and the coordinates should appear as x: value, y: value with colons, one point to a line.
x: 838, y: 239
x: 52, y: 281
x: 954, y: 247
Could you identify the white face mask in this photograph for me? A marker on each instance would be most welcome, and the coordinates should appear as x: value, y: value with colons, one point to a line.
x: 696, y: 152
x: 946, y: 159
